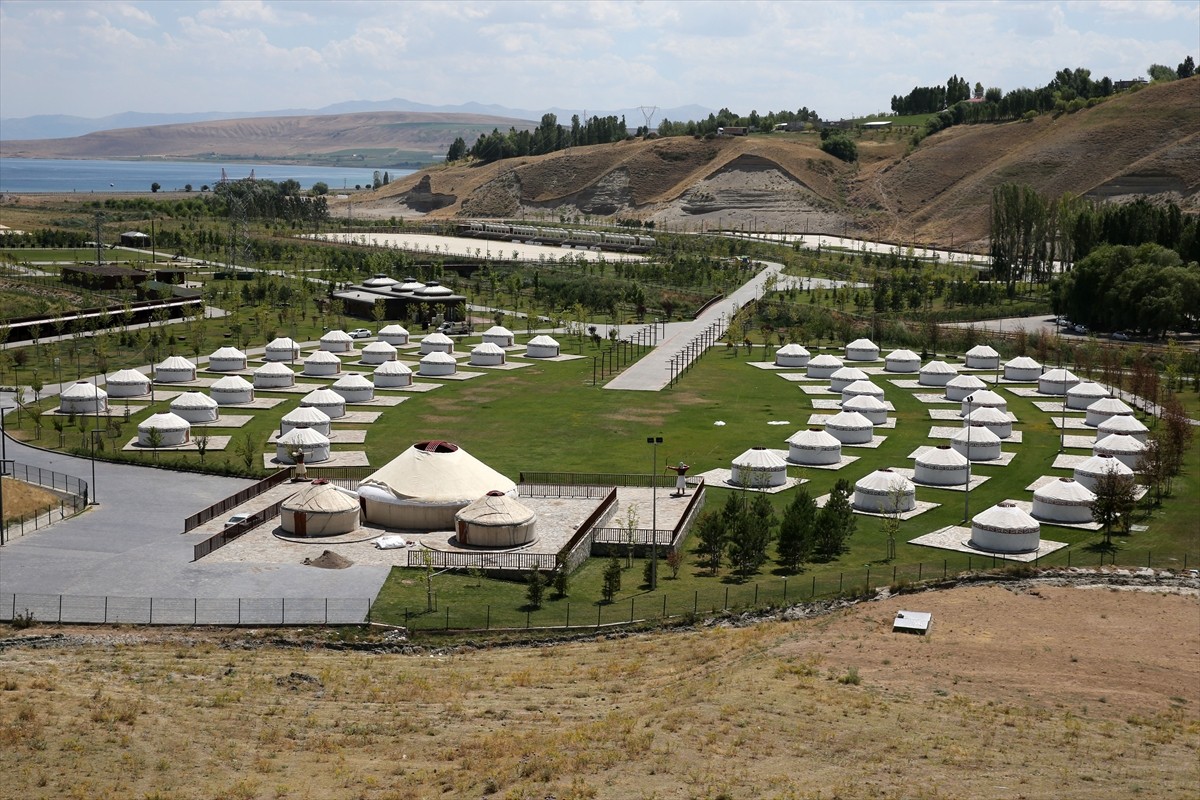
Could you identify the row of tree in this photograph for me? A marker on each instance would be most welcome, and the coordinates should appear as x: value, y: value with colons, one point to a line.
x: 931, y: 99
x: 547, y: 137
x: 728, y: 119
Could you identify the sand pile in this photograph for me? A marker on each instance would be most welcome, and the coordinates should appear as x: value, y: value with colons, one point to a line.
x: 329, y: 560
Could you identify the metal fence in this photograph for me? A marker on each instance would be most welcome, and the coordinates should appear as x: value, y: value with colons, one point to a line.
x: 219, y: 540
x: 234, y: 500
x: 558, y: 480
x: 72, y: 492
x: 55, y: 608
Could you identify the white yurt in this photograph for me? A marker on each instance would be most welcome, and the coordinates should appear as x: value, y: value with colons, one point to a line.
x: 995, y: 420
x: 1057, y: 381
x: 499, y: 336
x: 174, y: 430
x: 273, y: 375
x: 327, y: 400
x: 1126, y: 449
x: 432, y: 290
x: 304, y: 417
x: 408, y: 286
x: 541, y: 347
x: 83, y: 397
x: 195, y: 407
x: 870, y: 406
x: 758, y: 468
x: 127, y: 383
x: 1103, y: 410
x: 862, y: 389
x: 322, y: 363
x: 902, y: 361
x: 378, y: 353
x: 936, y: 373
x: 319, y: 509
x: 337, y: 342
x: 885, y: 492
x: 814, y: 447
x: 977, y: 443
x: 960, y: 387
x: 282, y: 349
x: 487, y: 355
x: 175, y: 369
x: 495, y: 520
x: 792, y: 355
x: 232, y: 390
x: 426, y: 485
x: 1022, y: 368
x: 942, y: 466
x: 437, y: 343
x: 392, y: 375
x: 984, y: 398
x: 1083, y: 394
x: 1063, y: 500
x: 394, y: 335
x: 850, y: 428
x: 437, y: 365
x: 1004, y: 528
x: 314, y: 446
x: 982, y: 356
x: 1089, y: 472
x: 1123, y: 426
x: 862, y: 350
x: 380, y: 281
x: 227, y: 359
x: 823, y: 366
x: 354, y: 388
x: 839, y: 379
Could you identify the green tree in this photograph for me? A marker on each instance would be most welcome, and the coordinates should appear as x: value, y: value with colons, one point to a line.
x: 457, y: 151
x: 1114, y: 501
x: 320, y: 188
x: 560, y: 581
x: 1186, y: 69
x: 535, y: 587
x: 154, y: 187
x: 751, y: 534
x: 246, y: 451
x: 841, y: 147
x: 836, y: 522
x: 797, y: 530
x: 612, y: 580
x: 710, y: 539
x: 1158, y: 72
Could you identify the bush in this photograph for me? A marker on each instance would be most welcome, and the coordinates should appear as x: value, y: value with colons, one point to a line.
x: 841, y: 147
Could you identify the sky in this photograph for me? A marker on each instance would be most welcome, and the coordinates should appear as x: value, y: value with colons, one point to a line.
x: 842, y: 59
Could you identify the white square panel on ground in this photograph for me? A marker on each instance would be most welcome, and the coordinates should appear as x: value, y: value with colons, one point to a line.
x: 257, y: 403
x: 1079, y: 442
x: 507, y: 365
x: 1071, y: 423
x: 415, y: 388
x: 936, y: 398
x: 337, y: 458
x: 843, y: 462
x: 458, y: 376
x: 1029, y: 391
x: 297, y: 388
x: 946, y: 414
x: 721, y: 478
x: 976, y: 480
x: 909, y: 383
x: 821, y: 419
x: 357, y: 418
x: 836, y: 405
x: 771, y: 365
x: 214, y: 443
x: 1068, y: 462
x: 226, y: 421
x: 1056, y: 407
x: 874, y: 443
x: 958, y: 538
x: 385, y: 402
x: 798, y: 377
x: 919, y: 508
x: 1027, y: 507
x: 559, y: 357
x: 818, y: 390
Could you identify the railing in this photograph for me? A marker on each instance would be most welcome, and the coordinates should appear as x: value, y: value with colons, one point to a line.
x: 585, y: 491
x: 605, y: 479
x: 219, y: 540
x: 72, y: 491
x: 579, y: 548
x: 345, y: 477
x: 689, y: 515
x: 58, y: 608
x: 234, y: 500
x: 687, y: 355
x: 637, y: 536
x: 520, y: 561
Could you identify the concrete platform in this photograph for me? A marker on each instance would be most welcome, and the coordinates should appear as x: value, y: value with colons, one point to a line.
x: 722, y: 478
x: 874, y: 443
x: 258, y: 403
x: 919, y: 508
x: 948, y: 431
x: 836, y: 405
x: 800, y: 377
x: 976, y: 480
x: 1027, y: 507
x: 1068, y: 462
x: 818, y: 389
x: 214, y: 443
x: 936, y: 398
x: 385, y: 402
x: 226, y: 421
x: 337, y: 458
x: 845, y: 461
x: 1079, y: 442
x: 957, y: 538
x: 1139, y: 491
x: 947, y: 414
x: 817, y: 420
x: 357, y: 418
x: 1071, y: 423
x: 1006, y: 457
x: 338, y: 436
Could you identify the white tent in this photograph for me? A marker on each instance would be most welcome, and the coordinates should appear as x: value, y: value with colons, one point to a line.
x: 850, y: 428
x: 174, y: 430
x: 862, y: 350
x: 936, y: 373
x: 792, y: 355
x: 757, y: 468
x: 83, y: 397
x: 282, y: 349
x: 499, y: 336
x: 319, y: 509
x: 1123, y: 426
x: 437, y: 343
x: 823, y: 366
x: 305, y: 417
x: 1004, y: 528
x: 1126, y: 448
x: 327, y: 400
x: 840, y: 378
x: 1063, y: 500
x: 127, y: 383
x: 227, y: 359
x: 380, y: 281
x: 378, y: 353
x: 960, y: 387
x: 392, y: 374
x: 814, y: 446
x: 337, y: 342
x: 995, y: 420
x: 1022, y: 368
x: 885, y: 492
x: 982, y: 357
x: 1057, y: 381
x: 232, y: 390
x: 322, y: 362
x: 1104, y: 410
x: 437, y: 364
x: 306, y: 440
x: 495, y: 520
x: 273, y: 376
x: 871, y: 407
x: 902, y: 361
x: 862, y: 388
x: 541, y: 346
x: 984, y: 398
x: 1083, y: 394
x: 354, y: 388
x: 1089, y: 472
x: 393, y: 335
x: 195, y: 407
x: 977, y: 443
x: 175, y: 369
x: 487, y: 354
x: 941, y: 466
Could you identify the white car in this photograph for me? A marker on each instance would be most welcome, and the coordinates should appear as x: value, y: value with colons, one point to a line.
x: 360, y: 333
x: 237, y: 519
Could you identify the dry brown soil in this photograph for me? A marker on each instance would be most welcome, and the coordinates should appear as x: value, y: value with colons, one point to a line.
x: 22, y: 500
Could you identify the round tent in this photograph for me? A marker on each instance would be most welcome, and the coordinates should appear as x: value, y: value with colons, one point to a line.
x: 305, y: 440
x: 862, y: 350
x: 823, y: 366
x: 83, y: 397
x: 495, y: 520
x: 977, y: 443
x: 1126, y: 449
x: 437, y: 343
x: 499, y: 336
x: 322, y: 363
x: 175, y: 369
x: 273, y: 376
x: 437, y: 365
x: 282, y: 349
x: 195, y: 407
x: 391, y: 375
x: 814, y: 447
x: 304, y: 417
x: 227, y: 359
x: 982, y: 357
x: 354, y: 388
x: 1123, y: 426
x: 984, y: 398
x: 942, y: 466
x: 995, y: 420
x: 843, y: 377
x: 869, y: 406
x: 1004, y: 528
x: 232, y: 390
x: 757, y: 468
x: 319, y: 509
x: 1057, y: 381
x: 936, y: 373
x: 337, y: 342
x: 173, y: 430
x: 1022, y: 369
x: 408, y: 286
x: 962, y: 386
x: 487, y: 354
x: 393, y: 334
x: 902, y: 361
x: 850, y: 428
x: 127, y: 383
x: 432, y: 290
x: 1082, y: 395
x: 541, y: 347
x: 1089, y: 472
x: 380, y: 281
x: 327, y: 400
x: 862, y: 389
x: 378, y: 353
x: 791, y: 355
x: 1104, y: 410
x: 885, y: 492
x: 1063, y: 500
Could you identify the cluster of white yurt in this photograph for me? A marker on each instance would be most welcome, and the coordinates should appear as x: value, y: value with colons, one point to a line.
x: 1063, y: 500
x: 379, y: 353
x: 313, y: 445
x: 1005, y: 528
x: 976, y: 442
x: 392, y: 375
x: 541, y: 346
x: 792, y: 355
x: 305, y: 417
x: 487, y: 354
x: 1126, y: 449
x: 758, y: 468
x: 319, y: 509
x: 960, y: 387
x: 984, y: 398
x: 862, y: 350
x: 982, y: 356
x: 426, y: 485
x: 870, y: 406
x: 354, y: 388
x: 862, y: 389
x: 282, y: 349
x: 1083, y: 394
x: 227, y: 359
x: 1123, y: 426
x: 995, y: 420
x: 902, y: 361
x: 941, y: 466
x: 814, y: 447
x: 1104, y: 410
x: 1088, y: 473
x: 1022, y: 369
x: 273, y: 375
x: 175, y: 369
x: 337, y: 342
x: 823, y: 366
x: 437, y: 364
x: 232, y: 390
x: 842, y: 377
x: 127, y: 383
x: 82, y: 397
x: 173, y: 430
x: 326, y: 400
x: 437, y: 343
x: 495, y: 520
x: 195, y: 407
x: 322, y: 363
x: 1057, y: 381
x: 499, y: 336
x: 849, y: 427
x: 936, y: 373
x: 885, y: 492
x: 395, y: 335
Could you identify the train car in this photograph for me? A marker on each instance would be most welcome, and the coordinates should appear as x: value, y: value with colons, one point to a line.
x: 646, y: 241
x: 524, y: 230
x: 585, y: 236
x: 498, y: 227
x: 477, y: 225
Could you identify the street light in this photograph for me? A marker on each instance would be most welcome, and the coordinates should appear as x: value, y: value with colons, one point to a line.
x: 93, y: 433
x: 967, y: 488
x: 654, y: 442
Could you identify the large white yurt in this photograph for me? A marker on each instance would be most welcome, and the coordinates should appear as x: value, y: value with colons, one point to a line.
x: 1057, y: 381
x: 1123, y: 426
x: 306, y: 440
x: 1022, y: 368
x: 936, y: 373
x: 394, y: 335
x: 1104, y: 410
x: 322, y: 363
x: 432, y: 290
x: 232, y: 390
x: 1083, y: 394
x: 1063, y: 500
x: 354, y: 388
x: 337, y: 342
x: 862, y: 350
x: 83, y: 397
x: 758, y: 468
x: 984, y: 398
x: 1125, y: 448
x: 305, y: 417
x: 327, y: 400
x: 870, y: 406
x: 902, y: 361
x: 437, y: 365
x: 942, y: 466
x: 862, y: 389
x: 1089, y: 472
x: 839, y: 379
x: 175, y: 369
x: 408, y: 286
x: 437, y: 343
x: 995, y: 420
x: 174, y: 430
x: 380, y: 281
x: 487, y: 354
x: 378, y: 353
x: 319, y: 509
x: 273, y: 375
x: 282, y: 349
x: 227, y: 359
x: 499, y: 336
x: 792, y: 355
x: 392, y: 375
x: 1004, y: 528
x: 850, y: 428
x: 982, y: 356
x: 426, y: 485
x: 127, y: 383
x: 977, y: 443
x: 195, y: 407
x: 823, y: 366
x: 814, y: 447
x: 885, y: 492
x: 541, y: 346
x: 495, y: 520
x: 960, y: 387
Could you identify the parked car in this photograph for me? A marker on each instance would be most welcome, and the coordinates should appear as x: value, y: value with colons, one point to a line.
x: 1121, y: 336
x: 237, y: 519
x: 1077, y: 328
x: 454, y: 328
x: 360, y: 333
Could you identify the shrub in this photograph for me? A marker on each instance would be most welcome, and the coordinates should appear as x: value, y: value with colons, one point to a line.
x: 842, y: 147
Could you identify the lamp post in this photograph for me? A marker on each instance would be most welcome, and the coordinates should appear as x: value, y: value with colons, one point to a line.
x: 93, y: 433
x: 654, y: 442
x: 967, y: 488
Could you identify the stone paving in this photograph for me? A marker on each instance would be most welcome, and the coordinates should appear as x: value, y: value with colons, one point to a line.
x: 958, y: 538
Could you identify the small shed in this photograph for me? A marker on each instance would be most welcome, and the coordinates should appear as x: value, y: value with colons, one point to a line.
x: 379, y: 352
x: 849, y: 427
x: 902, y: 361
x: 304, y: 417
x: 173, y: 429
x: 232, y: 390
x: 981, y: 356
x: 195, y: 407
x: 814, y: 447
x: 282, y: 349
x: 499, y: 336
x: 936, y: 373
x: 319, y: 509
x: 392, y: 375
x: 495, y: 520
x: 792, y: 355
x: 337, y: 342
x: 437, y: 364
x: 958, y: 388
x: 326, y: 400
x: 917, y: 622
x: 273, y: 375
x: 175, y: 369
x: 354, y: 388
x: 395, y: 335
x: 306, y: 440
x: 322, y: 363
x: 127, y: 383
x: 227, y: 359
x: 83, y: 397
x: 437, y: 343
x: 823, y: 366
x: 758, y: 468
x: 541, y: 346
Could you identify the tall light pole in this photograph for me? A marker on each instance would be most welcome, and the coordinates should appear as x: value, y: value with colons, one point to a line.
x: 967, y: 488
x: 654, y: 442
x: 93, y: 433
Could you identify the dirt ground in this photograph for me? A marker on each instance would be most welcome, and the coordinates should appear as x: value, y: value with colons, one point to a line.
x: 1023, y: 690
